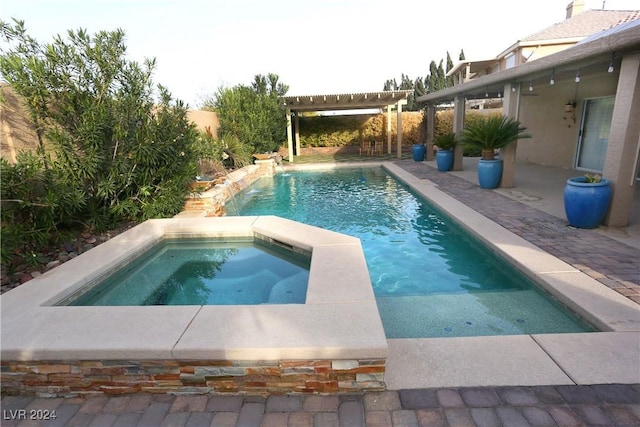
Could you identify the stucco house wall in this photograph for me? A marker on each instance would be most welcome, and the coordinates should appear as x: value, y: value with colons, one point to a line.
x: 555, y: 133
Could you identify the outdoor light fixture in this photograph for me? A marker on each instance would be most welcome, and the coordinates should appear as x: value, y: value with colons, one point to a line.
x: 610, y: 69
x: 553, y: 77
x: 513, y: 87
x: 531, y: 85
x: 499, y: 94
x: 486, y: 93
x: 578, y: 76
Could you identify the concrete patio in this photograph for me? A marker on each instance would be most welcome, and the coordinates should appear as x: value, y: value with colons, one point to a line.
x: 542, y: 187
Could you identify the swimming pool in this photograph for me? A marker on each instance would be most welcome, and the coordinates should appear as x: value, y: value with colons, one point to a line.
x: 430, y: 278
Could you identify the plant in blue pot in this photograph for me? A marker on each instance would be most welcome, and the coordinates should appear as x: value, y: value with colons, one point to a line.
x: 586, y: 200
x: 490, y: 134
x: 418, y: 151
x: 444, y: 156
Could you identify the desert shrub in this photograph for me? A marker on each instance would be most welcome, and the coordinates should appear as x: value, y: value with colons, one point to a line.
x: 109, y: 152
x: 251, y: 115
x: 216, y: 155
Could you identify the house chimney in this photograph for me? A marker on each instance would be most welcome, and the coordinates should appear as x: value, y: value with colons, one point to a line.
x: 574, y: 8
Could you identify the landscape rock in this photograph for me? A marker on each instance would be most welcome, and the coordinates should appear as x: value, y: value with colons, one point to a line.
x: 52, y: 264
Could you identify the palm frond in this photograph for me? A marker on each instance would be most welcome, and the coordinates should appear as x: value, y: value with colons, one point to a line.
x: 493, y: 132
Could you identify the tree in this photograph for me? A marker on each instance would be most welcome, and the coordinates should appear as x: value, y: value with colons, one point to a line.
x: 252, y: 114
x: 390, y: 85
x: 110, y: 152
x: 449, y: 79
x: 435, y: 80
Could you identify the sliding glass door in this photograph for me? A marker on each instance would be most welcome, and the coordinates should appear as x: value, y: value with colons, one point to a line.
x: 594, y: 133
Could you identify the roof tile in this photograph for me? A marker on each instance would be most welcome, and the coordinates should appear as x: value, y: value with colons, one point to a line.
x: 585, y: 24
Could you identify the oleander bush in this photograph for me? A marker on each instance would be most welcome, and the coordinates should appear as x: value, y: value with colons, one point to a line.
x: 112, y: 147
x: 251, y: 115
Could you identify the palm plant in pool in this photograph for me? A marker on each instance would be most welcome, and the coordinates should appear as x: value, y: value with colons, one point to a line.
x: 444, y: 156
x: 490, y: 134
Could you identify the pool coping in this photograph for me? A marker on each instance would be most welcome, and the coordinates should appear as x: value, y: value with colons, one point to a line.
x: 33, y: 328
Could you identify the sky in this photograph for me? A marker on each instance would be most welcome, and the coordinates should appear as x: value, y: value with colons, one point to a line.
x: 315, y: 47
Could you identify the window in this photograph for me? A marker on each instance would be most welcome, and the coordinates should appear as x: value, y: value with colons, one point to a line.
x: 510, y: 60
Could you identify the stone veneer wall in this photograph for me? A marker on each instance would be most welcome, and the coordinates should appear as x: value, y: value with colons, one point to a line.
x: 109, y: 377
x: 212, y: 202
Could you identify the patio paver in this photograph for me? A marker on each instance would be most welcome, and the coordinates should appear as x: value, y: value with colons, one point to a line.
x: 610, y: 262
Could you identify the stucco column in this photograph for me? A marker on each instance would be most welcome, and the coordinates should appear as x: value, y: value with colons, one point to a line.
x: 289, y: 137
x: 620, y: 163
x: 388, y: 129
x: 297, y: 134
x: 431, y: 117
x: 458, y: 125
x: 510, y: 108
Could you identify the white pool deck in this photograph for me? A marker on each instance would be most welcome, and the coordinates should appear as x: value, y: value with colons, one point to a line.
x: 339, y: 320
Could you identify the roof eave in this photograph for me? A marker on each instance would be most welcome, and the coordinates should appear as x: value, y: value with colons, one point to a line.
x: 623, y: 41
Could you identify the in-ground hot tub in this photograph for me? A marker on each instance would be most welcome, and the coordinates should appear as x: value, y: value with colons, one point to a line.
x: 333, y: 342
x: 222, y: 271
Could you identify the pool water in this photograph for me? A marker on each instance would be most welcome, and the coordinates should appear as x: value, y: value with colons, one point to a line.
x: 430, y: 278
x: 205, y: 272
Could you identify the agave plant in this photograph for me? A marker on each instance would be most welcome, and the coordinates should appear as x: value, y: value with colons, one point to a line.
x: 492, y: 133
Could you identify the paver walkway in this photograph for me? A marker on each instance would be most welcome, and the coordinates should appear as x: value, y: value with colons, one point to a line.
x: 598, y: 405
x: 610, y: 262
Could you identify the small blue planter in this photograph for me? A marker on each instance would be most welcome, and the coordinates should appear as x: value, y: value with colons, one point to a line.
x: 586, y: 203
x: 419, y: 151
x: 444, y: 160
x: 489, y: 173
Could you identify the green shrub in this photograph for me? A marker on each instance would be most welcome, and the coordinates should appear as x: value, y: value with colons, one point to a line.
x: 216, y: 155
x: 251, y: 115
x: 109, y: 153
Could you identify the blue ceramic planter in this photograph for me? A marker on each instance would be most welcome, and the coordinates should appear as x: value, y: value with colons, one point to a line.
x: 444, y: 160
x: 419, y: 151
x: 489, y: 173
x: 586, y: 203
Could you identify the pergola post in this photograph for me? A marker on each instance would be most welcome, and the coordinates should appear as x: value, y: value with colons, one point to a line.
x: 399, y: 126
x: 289, y: 136
x: 458, y: 125
x: 388, y: 129
x: 297, y: 133
x: 431, y: 117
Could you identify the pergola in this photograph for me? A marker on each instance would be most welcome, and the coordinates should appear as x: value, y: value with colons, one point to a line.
x: 340, y: 102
